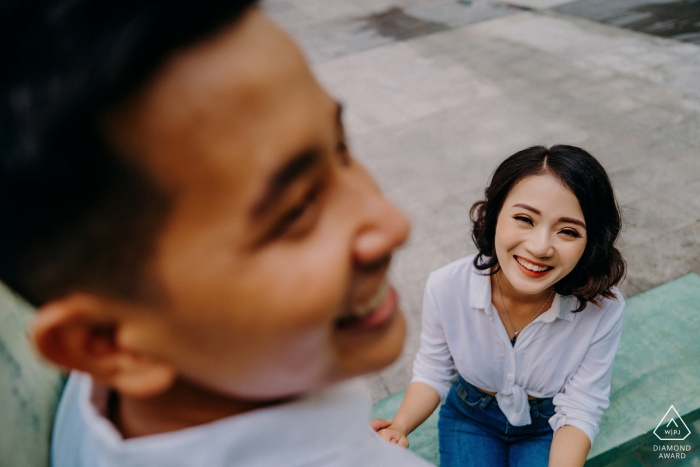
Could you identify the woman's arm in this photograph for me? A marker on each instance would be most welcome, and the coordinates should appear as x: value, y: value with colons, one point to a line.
x: 419, y: 402
x: 570, y: 447
x: 580, y: 405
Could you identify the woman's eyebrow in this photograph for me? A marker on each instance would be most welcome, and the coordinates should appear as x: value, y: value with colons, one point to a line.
x: 529, y: 208
x: 284, y: 177
x: 571, y: 220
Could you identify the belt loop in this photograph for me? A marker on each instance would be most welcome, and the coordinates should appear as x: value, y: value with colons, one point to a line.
x: 534, y: 408
x: 485, y: 401
x: 466, y: 386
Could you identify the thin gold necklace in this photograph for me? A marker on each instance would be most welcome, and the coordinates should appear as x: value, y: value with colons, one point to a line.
x: 515, y: 333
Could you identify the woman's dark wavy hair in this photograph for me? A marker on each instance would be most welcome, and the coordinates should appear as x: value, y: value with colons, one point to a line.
x: 601, y: 266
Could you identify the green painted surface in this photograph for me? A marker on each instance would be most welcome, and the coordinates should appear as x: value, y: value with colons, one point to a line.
x: 657, y: 365
x: 29, y: 390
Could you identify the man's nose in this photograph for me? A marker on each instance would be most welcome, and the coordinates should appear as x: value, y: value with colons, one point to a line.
x: 381, y: 227
x: 385, y: 230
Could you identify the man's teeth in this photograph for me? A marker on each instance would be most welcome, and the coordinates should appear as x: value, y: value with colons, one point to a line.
x: 374, y: 302
x: 531, y: 267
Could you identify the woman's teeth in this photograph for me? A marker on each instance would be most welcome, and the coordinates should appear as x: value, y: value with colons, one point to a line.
x: 531, y: 267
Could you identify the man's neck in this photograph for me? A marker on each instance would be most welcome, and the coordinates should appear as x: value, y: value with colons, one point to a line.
x: 183, y: 406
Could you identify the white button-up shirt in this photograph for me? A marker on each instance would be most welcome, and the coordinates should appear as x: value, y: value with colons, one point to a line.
x: 329, y: 428
x: 561, y: 354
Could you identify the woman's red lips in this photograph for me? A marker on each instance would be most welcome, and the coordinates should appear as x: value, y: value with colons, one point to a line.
x: 530, y: 272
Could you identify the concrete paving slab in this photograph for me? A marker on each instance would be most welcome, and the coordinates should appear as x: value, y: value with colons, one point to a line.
x: 658, y: 262
x: 666, y: 18
x: 540, y: 4
x: 651, y: 218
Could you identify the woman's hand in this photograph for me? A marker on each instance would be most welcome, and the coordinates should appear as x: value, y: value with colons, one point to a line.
x: 419, y: 402
x: 394, y: 436
x: 379, y: 424
x: 389, y: 434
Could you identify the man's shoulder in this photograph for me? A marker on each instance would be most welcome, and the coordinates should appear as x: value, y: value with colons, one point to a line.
x: 70, y: 445
x: 288, y: 434
x: 375, y: 452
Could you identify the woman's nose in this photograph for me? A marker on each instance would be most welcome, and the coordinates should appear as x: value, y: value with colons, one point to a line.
x: 540, y: 243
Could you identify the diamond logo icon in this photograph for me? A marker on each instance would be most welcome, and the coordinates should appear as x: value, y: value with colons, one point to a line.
x: 672, y: 427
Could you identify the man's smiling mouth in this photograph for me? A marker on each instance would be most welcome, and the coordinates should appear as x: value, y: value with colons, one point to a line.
x: 375, y: 312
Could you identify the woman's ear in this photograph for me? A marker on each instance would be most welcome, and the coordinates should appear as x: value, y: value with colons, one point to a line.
x: 81, y: 332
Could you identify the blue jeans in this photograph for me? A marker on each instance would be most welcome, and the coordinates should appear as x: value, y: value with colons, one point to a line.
x: 473, y: 431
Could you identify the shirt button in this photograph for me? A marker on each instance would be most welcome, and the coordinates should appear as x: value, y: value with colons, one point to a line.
x: 510, y: 352
x: 509, y: 376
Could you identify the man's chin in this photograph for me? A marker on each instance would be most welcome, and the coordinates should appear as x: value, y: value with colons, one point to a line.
x: 368, y: 352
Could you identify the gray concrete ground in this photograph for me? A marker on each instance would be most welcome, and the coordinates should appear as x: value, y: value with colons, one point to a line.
x: 438, y: 92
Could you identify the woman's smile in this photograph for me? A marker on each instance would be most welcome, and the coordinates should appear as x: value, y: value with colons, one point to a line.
x: 531, y: 268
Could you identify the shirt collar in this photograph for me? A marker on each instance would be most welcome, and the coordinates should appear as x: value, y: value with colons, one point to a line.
x: 480, y: 290
x: 561, y: 308
x: 480, y: 298
x: 287, y: 434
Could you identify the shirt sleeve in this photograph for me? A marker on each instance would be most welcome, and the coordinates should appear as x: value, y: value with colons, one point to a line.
x: 586, y: 394
x: 433, y: 364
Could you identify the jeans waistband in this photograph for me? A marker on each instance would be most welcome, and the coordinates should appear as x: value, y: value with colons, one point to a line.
x: 487, y: 398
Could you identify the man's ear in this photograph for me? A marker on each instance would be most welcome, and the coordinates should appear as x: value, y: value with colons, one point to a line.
x: 81, y: 332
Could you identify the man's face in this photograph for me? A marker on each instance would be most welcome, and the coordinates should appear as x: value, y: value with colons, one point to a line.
x: 275, y: 254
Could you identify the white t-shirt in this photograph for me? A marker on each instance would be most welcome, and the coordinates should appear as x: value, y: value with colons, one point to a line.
x: 561, y: 354
x: 329, y: 428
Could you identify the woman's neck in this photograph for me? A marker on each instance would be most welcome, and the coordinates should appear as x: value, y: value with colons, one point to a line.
x: 517, y: 302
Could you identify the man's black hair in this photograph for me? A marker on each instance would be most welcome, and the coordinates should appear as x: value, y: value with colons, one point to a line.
x: 74, y: 215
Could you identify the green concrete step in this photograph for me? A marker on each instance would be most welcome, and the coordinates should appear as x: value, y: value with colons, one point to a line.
x: 657, y: 365
x: 29, y: 389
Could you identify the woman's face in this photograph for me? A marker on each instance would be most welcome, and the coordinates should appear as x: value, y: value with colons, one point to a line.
x: 540, y: 234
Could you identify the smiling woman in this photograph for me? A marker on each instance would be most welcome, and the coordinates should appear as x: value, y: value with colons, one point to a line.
x: 570, y: 181
x: 519, y: 339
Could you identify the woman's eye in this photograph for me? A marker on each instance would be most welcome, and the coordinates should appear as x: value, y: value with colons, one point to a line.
x: 570, y: 233
x: 525, y: 219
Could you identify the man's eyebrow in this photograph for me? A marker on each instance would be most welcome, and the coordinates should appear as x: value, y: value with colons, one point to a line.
x: 281, y: 180
x: 570, y: 220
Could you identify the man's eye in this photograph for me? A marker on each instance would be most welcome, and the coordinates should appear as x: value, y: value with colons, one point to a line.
x: 525, y: 219
x: 343, y: 152
x: 299, y: 218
